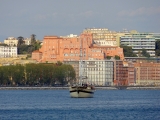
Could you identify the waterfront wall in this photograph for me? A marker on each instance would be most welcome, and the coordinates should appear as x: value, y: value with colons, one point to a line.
x: 97, y: 88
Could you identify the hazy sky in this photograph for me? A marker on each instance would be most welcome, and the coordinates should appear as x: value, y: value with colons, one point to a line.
x: 64, y: 17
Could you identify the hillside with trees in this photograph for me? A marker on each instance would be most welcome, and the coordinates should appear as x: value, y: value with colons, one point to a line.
x: 28, y: 49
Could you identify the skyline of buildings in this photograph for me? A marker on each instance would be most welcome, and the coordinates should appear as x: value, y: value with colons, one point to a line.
x: 98, y: 48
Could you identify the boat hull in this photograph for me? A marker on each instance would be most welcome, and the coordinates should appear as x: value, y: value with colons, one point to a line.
x: 81, y: 92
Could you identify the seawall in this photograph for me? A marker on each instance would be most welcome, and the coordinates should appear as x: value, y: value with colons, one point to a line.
x: 66, y: 88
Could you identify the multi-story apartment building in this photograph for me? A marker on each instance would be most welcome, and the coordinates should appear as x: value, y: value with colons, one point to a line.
x: 156, y: 35
x: 120, y: 34
x: 97, y: 72
x: 143, y: 59
x: 147, y: 73
x: 104, y: 72
x: 11, y: 41
x: 56, y: 48
x: 139, y: 41
x: 102, y: 36
x: 6, y: 51
x: 124, y: 73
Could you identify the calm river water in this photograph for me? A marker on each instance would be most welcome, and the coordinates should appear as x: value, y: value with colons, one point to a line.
x: 57, y: 105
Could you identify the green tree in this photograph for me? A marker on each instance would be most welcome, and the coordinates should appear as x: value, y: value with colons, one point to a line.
x: 108, y: 57
x: 117, y: 57
x: 18, y: 74
x: 157, y: 50
x: 36, y: 74
x: 128, y: 52
x: 20, y: 40
x: 144, y: 53
x: 33, y: 39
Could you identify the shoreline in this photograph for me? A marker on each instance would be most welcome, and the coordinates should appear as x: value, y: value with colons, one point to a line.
x: 97, y: 88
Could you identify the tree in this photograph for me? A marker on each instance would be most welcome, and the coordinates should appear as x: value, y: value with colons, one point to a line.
x: 157, y: 50
x: 128, y: 52
x: 33, y: 38
x: 3, y: 44
x: 108, y: 57
x: 36, y: 74
x: 144, y: 53
x: 117, y: 57
x: 20, y: 40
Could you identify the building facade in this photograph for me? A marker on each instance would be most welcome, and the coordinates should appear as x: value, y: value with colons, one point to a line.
x: 11, y: 41
x: 56, y: 48
x: 102, y: 36
x: 124, y: 73
x: 6, y: 52
x: 97, y: 72
x: 147, y: 73
x: 139, y: 41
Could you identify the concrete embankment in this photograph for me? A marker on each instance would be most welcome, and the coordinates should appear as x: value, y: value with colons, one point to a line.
x: 66, y: 88
x: 32, y: 88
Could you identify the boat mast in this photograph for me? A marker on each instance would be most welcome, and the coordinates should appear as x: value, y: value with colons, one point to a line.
x: 81, y: 55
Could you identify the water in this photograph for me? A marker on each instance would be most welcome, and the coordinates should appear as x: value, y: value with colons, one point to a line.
x: 57, y: 105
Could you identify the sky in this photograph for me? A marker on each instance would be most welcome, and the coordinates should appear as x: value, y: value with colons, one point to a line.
x: 64, y: 17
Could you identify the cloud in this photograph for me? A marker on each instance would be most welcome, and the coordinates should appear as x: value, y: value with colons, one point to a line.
x: 140, y: 11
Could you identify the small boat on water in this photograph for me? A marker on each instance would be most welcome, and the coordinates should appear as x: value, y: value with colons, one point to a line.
x: 81, y: 91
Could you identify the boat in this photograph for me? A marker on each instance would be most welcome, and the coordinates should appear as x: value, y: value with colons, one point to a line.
x: 81, y: 90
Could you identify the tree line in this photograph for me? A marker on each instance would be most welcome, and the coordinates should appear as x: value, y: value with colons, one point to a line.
x: 128, y: 52
x: 48, y: 74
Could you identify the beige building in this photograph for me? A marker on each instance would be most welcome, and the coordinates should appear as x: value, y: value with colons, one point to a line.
x: 27, y: 41
x: 102, y: 36
x: 11, y: 41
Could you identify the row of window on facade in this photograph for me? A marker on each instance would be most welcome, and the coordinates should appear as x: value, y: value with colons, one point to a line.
x: 81, y: 55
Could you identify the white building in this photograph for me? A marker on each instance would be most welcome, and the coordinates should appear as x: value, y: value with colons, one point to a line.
x: 6, y: 51
x: 11, y: 41
x: 97, y: 72
x: 139, y: 41
x: 69, y: 36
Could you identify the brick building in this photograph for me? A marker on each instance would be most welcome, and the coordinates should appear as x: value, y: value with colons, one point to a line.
x: 147, y: 73
x: 124, y: 73
x: 68, y: 49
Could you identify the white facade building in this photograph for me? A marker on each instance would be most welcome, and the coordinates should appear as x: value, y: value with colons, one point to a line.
x: 97, y: 72
x: 69, y: 36
x: 6, y: 51
x: 139, y: 41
